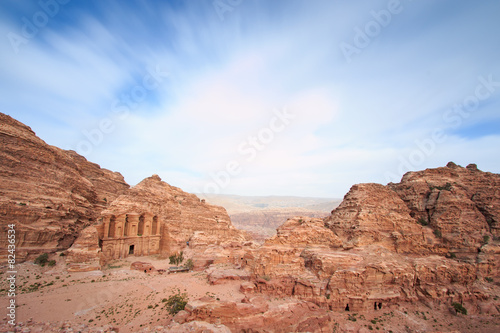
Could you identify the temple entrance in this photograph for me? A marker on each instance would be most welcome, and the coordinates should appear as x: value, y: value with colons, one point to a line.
x: 131, y: 249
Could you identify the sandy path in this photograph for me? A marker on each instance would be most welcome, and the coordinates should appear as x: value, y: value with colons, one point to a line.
x: 118, y: 296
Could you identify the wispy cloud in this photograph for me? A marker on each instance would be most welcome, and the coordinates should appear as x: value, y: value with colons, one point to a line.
x: 353, y: 121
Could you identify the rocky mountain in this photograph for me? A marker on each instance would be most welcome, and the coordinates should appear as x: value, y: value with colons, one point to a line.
x: 54, y: 196
x: 433, y: 237
x: 49, y: 194
x: 184, y: 214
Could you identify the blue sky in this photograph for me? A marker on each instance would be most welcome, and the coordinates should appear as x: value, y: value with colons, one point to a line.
x: 256, y: 97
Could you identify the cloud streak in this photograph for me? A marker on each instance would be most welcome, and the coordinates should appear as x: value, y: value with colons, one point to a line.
x: 353, y: 120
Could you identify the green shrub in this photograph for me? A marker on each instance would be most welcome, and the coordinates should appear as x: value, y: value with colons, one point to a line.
x: 189, y: 264
x: 176, y: 258
x: 51, y: 263
x: 42, y: 259
x: 176, y: 303
x: 423, y: 221
x: 446, y: 187
x: 486, y: 239
x: 459, y: 308
x: 489, y: 279
x: 453, y: 255
x: 437, y: 232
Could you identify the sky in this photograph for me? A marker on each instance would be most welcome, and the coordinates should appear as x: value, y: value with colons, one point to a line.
x: 254, y: 97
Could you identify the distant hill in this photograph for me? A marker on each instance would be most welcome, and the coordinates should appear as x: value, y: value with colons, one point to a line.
x: 261, y: 215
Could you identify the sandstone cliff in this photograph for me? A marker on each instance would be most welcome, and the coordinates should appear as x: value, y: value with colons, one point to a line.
x: 183, y: 216
x: 433, y: 237
x: 54, y: 196
x: 48, y: 193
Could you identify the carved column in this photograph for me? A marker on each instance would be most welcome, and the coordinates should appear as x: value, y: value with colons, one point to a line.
x: 105, y: 220
x: 133, y: 220
x: 120, y: 225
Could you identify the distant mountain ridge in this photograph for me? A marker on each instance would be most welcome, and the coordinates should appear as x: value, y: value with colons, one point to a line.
x: 262, y: 215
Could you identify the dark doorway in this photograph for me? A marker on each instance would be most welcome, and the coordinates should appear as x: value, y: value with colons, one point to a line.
x: 131, y: 250
x: 347, y: 307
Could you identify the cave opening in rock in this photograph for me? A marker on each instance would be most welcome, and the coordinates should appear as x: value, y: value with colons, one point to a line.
x: 347, y: 307
x: 131, y: 249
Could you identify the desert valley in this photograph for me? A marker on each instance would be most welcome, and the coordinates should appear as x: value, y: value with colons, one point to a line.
x: 93, y: 254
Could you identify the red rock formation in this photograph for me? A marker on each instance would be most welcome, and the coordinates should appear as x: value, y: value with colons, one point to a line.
x: 461, y: 204
x: 85, y: 253
x: 145, y: 267
x: 50, y: 194
x: 376, y: 249
x: 183, y: 218
x: 374, y: 214
x: 257, y: 315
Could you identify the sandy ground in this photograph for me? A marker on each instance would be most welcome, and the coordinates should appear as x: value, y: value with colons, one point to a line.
x: 125, y: 298
x: 133, y: 301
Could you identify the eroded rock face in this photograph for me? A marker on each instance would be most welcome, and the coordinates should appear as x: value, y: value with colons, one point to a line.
x: 255, y: 314
x: 85, y: 254
x: 463, y: 204
x: 54, y: 196
x: 376, y: 248
x: 375, y: 214
x: 183, y: 219
x: 49, y: 194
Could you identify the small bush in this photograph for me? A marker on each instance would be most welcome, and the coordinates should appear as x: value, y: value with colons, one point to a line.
x: 176, y: 258
x: 459, y: 308
x: 42, y: 259
x: 453, y: 255
x: 266, y: 277
x: 486, y: 239
x: 189, y: 264
x: 437, y: 233
x: 489, y: 279
x: 423, y: 221
x: 176, y: 303
x: 446, y: 187
x: 51, y: 263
